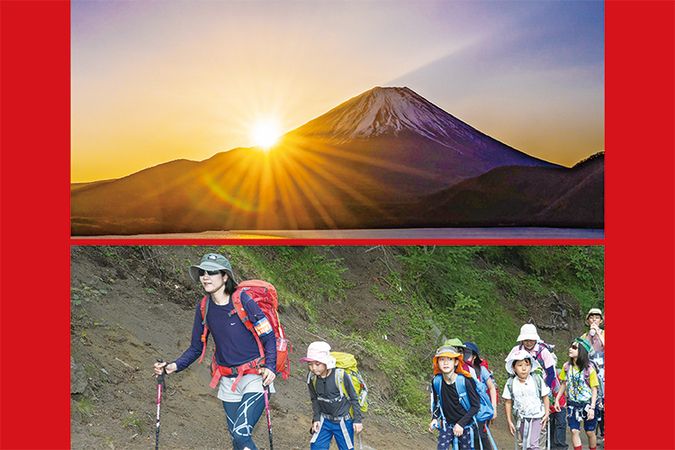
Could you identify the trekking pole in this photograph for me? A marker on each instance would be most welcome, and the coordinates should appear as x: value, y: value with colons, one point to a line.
x: 160, y: 388
x: 268, y: 413
x: 360, y: 442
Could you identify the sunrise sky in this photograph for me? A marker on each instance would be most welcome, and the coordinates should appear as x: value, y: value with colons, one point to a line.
x: 154, y: 81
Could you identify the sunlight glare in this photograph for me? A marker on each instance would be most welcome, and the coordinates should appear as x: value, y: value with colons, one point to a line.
x: 265, y: 133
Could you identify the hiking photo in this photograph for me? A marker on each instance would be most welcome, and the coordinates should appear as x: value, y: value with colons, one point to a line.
x: 388, y: 119
x: 368, y: 347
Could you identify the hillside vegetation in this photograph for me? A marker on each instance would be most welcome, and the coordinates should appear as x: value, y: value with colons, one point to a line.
x: 390, y: 306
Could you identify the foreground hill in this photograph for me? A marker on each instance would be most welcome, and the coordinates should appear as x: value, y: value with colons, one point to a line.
x: 524, y: 196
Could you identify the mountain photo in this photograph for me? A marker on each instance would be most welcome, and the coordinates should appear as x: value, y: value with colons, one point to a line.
x: 444, y: 144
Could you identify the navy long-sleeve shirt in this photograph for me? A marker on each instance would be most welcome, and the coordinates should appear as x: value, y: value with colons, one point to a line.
x: 235, y: 344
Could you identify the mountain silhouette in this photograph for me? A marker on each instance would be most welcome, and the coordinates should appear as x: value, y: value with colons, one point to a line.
x: 369, y: 162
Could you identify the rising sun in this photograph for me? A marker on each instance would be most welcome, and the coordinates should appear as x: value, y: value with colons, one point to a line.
x: 265, y: 133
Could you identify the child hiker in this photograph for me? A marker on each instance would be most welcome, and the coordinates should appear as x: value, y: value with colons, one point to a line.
x: 454, y: 400
x: 240, y: 374
x: 480, y: 373
x: 580, y: 382
x: 526, y: 397
x: 330, y: 407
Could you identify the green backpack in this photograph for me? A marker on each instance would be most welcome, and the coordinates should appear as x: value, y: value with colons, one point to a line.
x: 345, y: 363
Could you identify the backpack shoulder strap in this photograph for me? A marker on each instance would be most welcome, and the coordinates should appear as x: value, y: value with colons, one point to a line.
x: 538, y: 380
x: 566, y: 369
x: 538, y: 357
x: 460, y: 384
x: 311, y: 379
x: 204, y: 308
x: 509, y: 386
x: 587, y: 373
x: 436, y: 386
x: 340, y: 381
x: 235, y: 298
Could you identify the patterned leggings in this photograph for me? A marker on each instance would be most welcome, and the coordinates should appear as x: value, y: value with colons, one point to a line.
x: 242, y: 417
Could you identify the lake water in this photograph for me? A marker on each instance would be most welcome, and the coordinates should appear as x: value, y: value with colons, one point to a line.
x: 399, y: 233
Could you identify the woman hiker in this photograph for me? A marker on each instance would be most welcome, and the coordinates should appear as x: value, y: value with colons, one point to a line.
x: 238, y: 371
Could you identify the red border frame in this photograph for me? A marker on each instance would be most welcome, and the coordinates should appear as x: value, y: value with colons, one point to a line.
x: 34, y: 221
x: 34, y: 225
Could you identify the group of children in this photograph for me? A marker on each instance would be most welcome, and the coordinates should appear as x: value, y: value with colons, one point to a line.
x: 536, y: 392
x: 538, y: 396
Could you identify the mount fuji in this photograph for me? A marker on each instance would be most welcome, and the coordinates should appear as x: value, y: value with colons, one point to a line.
x: 374, y: 161
x: 397, y: 125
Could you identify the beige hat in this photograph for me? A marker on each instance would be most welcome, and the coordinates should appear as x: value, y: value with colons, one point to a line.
x: 319, y: 351
x: 528, y: 332
x: 593, y: 311
x: 447, y: 350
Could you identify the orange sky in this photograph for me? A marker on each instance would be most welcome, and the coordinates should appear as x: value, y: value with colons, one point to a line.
x: 158, y: 81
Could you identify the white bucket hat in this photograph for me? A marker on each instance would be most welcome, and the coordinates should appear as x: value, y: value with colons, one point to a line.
x: 519, y: 355
x: 528, y: 332
x: 319, y: 351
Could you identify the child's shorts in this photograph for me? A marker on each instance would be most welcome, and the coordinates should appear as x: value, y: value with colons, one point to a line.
x: 342, y: 432
x: 576, y: 412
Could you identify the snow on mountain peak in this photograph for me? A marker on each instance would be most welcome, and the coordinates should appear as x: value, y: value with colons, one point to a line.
x: 391, y: 111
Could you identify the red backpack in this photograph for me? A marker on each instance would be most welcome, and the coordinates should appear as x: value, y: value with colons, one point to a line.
x: 265, y: 295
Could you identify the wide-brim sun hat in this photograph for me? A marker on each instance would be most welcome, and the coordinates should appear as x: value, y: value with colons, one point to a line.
x: 449, y: 351
x: 319, y: 351
x: 519, y: 355
x: 528, y: 332
x: 212, y: 261
x: 593, y: 311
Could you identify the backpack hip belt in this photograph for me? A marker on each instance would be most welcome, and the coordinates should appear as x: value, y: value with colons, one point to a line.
x: 336, y: 418
x: 249, y: 368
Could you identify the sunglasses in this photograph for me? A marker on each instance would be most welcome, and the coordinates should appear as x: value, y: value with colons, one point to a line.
x: 202, y: 272
x: 574, y: 347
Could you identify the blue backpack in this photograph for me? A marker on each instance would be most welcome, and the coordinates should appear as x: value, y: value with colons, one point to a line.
x: 485, y: 412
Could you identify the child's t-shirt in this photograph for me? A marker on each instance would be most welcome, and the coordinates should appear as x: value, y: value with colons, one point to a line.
x: 527, y: 398
x: 577, y: 389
